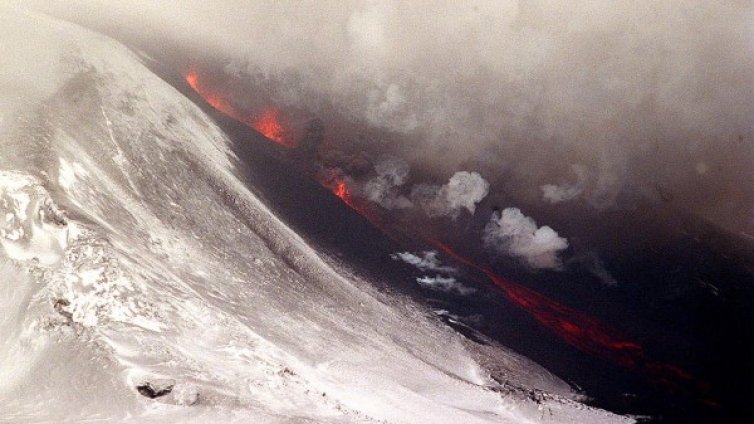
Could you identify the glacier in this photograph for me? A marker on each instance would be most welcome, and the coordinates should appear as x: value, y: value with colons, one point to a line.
x: 135, y: 260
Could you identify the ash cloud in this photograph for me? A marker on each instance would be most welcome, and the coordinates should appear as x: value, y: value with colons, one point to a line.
x: 636, y: 92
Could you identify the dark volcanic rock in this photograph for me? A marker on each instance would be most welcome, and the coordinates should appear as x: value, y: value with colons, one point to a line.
x: 152, y: 390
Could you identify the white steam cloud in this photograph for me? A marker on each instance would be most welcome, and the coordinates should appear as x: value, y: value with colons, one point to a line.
x: 444, y: 284
x: 430, y: 262
x: 515, y: 234
x: 592, y: 263
x: 427, y: 261
x: 463, y: 191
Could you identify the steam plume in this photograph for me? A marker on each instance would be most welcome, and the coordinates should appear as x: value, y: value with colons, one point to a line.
x: 428, y: 261
x: 512, y: 233
x: 463, y: 191
x: 444, y: 284
x: 391, y: 173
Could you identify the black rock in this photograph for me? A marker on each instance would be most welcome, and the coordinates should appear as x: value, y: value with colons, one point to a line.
x: 152, y: 391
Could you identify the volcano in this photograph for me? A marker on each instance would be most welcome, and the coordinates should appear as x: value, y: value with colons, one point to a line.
x: 139, y: 258
x: 623, y: 375
x: 179, y: 244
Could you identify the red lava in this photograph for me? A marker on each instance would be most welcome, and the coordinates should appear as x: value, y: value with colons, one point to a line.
x: 582, y: 331
x: 267, y: 122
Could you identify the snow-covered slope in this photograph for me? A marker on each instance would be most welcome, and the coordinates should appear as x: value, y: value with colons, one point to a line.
x: 133, y: 257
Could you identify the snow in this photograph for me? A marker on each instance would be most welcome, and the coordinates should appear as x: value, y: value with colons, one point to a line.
x: 132, y: 254
x: 28, y: 233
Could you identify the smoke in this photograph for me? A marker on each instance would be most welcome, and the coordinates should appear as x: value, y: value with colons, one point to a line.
x: 562, y: 193
x: 463, y: 191
x: 391, y: 174
x: 638, y: 93
x: 592, y: 263
x: 430, y: 262
x: 514, y: 234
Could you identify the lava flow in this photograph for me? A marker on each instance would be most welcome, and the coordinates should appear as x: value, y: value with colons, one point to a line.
x: 339, y: 185
x: 574, y: 327
x: 582, y: 331
x: 268, y: 122
x: 269, y: 125
x: 212, y: 98
x: 341, y: 190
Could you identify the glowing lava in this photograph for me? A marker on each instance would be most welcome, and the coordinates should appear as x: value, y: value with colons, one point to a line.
x: 268, y: 123
x: 341, y: 190
x: 334, y: 180
x: 574, y: 327
x: 214, y: 99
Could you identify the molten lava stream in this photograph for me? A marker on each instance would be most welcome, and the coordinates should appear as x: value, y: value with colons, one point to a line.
x: 584, y: 332
x: 338, y: 185
x: 267, y: 123
x: 572, y: 326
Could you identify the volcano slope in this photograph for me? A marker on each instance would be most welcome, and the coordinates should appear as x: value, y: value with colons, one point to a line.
x: 144, y: 282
